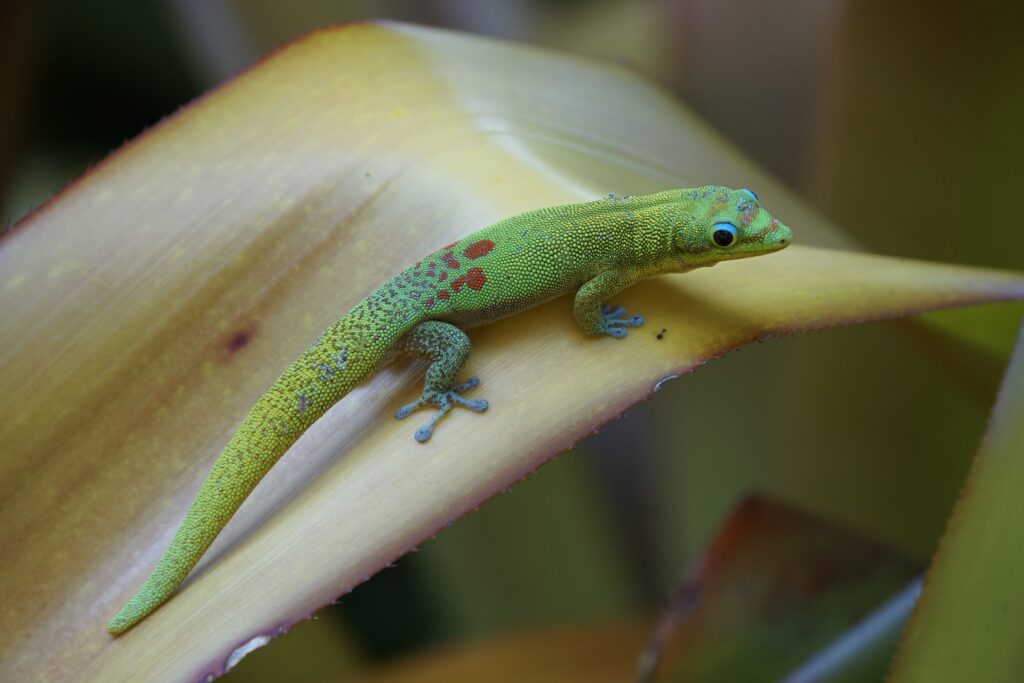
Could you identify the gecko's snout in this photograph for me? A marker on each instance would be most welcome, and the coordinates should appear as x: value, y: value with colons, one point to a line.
x: 783, y: 236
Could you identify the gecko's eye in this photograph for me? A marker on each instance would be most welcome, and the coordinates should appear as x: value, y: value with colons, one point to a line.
x: 749, y: 194
x: 724, y: 234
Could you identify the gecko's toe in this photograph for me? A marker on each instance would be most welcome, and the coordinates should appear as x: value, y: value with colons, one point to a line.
x: 477, y: 405
x: 407, y: 410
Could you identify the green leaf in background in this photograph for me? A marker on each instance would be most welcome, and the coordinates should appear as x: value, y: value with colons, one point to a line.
x: 969, y: 625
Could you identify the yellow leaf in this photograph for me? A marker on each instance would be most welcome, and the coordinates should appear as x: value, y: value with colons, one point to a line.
x: 146, y: 307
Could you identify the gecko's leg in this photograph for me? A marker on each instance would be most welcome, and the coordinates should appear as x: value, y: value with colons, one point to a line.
x: 597, y: 317
x: 446, y: 347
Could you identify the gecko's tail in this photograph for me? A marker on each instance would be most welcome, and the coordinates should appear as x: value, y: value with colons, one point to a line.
x: 341, y: 359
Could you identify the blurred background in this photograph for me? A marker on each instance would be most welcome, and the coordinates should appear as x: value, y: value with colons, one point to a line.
x: 900, y: 121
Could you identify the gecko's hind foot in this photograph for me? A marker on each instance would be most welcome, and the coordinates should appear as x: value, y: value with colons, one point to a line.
x: 614, y: 324
x: 445, y: 401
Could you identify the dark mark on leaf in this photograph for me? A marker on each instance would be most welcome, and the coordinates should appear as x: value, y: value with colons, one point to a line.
x: 234, y: 341
x: 238, y: 341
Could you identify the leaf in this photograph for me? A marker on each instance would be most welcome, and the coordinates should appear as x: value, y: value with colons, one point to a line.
x: 148, y: 305
x: 774, y: 587
x: 969, y: 624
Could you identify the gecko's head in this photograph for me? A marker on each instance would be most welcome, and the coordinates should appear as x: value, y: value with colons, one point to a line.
x: 720, y: 224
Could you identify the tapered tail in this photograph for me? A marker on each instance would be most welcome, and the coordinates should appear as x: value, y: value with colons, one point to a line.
x: 341, y: 359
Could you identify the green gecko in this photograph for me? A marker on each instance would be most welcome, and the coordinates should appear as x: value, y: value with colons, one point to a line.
x: 594, y: 249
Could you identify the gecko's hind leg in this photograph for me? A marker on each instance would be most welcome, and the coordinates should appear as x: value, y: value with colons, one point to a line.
x: 446, y: 347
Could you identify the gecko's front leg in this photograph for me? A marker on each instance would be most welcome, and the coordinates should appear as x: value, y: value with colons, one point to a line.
x: 597, y: 317
x: 446, y: 347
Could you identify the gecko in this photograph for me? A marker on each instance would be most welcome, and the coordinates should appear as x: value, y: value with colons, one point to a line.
x: 594, y: 249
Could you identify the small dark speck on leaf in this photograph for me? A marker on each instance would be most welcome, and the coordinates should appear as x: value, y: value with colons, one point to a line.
x: 235, y: 340
x: 661, y: 335
x: 238, y: 341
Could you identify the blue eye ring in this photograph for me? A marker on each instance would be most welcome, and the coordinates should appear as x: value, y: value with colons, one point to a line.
x: 723, y: 234
x: 749, y: 194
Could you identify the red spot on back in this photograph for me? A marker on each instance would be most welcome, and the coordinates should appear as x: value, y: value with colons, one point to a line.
x: 457, y: 283
x: 475, y: 278
x: 429, y: 302
x: 478, y: 249
x: 444, y: 294
x: 443, y: 276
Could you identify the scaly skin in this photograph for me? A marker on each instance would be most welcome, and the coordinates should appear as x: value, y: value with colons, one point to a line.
x: 594, y: 249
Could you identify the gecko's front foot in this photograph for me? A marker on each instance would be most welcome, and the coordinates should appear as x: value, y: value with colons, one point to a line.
x: 445, y: 401
x: 612, y: 322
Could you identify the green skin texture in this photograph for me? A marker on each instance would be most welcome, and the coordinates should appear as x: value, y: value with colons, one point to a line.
x: 594, y: 249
